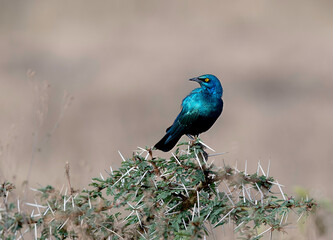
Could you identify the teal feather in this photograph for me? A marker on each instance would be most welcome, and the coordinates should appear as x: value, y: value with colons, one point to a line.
x: 200, y: 110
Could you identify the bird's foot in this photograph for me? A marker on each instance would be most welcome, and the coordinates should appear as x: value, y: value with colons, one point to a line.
x: 193, y: 139
x: 190, y: 137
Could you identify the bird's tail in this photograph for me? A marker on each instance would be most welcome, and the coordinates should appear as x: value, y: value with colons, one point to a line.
x: 168, y: 141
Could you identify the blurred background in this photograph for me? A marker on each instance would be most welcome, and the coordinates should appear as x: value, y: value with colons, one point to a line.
x: 81, y: 80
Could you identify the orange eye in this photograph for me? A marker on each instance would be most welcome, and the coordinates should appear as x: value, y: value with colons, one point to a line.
x: 206, y: 79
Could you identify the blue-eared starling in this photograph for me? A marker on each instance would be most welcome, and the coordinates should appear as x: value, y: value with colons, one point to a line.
x: 200, y: 109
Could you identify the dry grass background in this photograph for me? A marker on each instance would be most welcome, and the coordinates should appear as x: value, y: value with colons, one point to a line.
x: 126, y: 65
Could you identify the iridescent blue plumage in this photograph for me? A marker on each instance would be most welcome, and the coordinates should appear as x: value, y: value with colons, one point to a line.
x: 200, y: 109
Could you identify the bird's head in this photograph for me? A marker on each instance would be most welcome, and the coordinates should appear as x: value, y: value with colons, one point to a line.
x: 209, y: 82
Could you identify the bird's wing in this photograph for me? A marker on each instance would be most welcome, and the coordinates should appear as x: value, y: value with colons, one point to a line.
x: 187, y: 118
x: 179, y: 127
x: 184, y: 119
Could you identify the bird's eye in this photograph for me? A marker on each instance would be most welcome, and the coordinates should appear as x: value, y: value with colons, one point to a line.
x: 207, y: 80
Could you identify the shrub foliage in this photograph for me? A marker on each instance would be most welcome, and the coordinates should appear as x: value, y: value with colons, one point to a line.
x: 183, y: 197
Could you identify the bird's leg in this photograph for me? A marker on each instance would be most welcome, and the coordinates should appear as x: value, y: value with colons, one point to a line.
x: 203, y: 147
x: 193, y: 139
x: 190, y: 136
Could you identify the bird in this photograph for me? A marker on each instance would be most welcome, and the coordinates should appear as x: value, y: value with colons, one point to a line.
x: 200, y: 109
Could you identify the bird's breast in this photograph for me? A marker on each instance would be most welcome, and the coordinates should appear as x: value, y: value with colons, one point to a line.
x: 205, y: 106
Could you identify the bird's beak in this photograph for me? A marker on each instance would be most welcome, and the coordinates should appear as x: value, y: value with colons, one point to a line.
x: 195, y: 79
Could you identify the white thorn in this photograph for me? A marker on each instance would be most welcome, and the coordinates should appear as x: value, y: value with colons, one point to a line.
x: 285, y: 220
x: 223, y: 217
x: 35, y: 205
x: 35, y: 190
x: 198, y: 160
x: 141, y: 178
x: 141, y: 234
x: 239, y: 225
x: 258, y: 168
x: 185, y: 189
x: 62, y: 188
x: 123, y: 176
x: 278, y: 184
x: 63, y: 224
x: 140, y: 200
x: 51, y: 220
x: 50, y: 208
x: 89, y: 202
x: 284, y: 198
x: 137, y: 214
x: 262, y: 170
x: 128, y: 216
x: 35, y: 231
x: 230, y: 199
x: 172, y: 208
x: 207, y: 146
x: 229, y: 193
x: 193, y: 212
x: 282, y: 218
x: 21, y: 235
x: 166, y: 214
x: 184, y: 223
x: 140, y: 206
x: 211, y: 163
x: 203, y: 158
x: 155, y: 184
x: 18, y: 205
x: 111, y: 231
x: 264, y: 231
x: 262, y: 195
x: 176, y: 158
x: 208, y: 215
x: 122, y: 157
x: 64, y: 203
x: 101, y: 176
x: 142, y: 149
x: 248, y: 193
x: 130, y: 205
x: 300, y: 217
x: 217, y: 154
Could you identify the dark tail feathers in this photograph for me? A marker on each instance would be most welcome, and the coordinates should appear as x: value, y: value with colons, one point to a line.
x: 165, y: 145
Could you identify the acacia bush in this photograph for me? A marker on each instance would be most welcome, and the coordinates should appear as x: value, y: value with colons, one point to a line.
x: 183, y: 197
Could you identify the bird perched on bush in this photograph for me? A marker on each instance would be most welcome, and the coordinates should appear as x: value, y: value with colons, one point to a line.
x: 200, y: 109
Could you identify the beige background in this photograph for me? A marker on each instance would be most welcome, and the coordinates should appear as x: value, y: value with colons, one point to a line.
x: 126, y: 64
